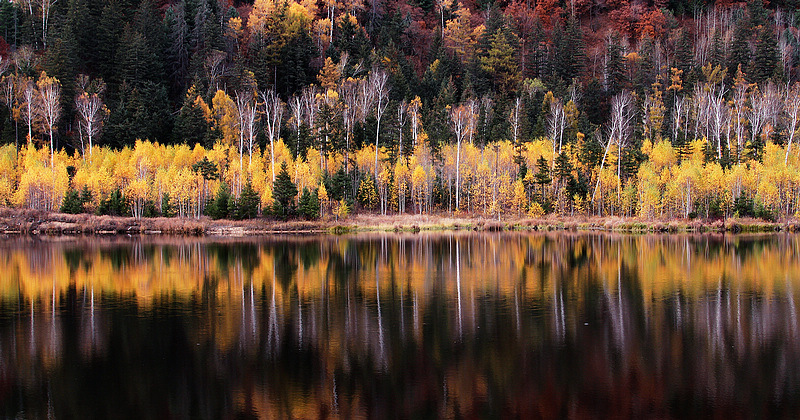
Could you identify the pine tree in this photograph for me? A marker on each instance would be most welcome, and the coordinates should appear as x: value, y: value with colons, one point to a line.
x: 219, y: 207
x: 72, y: 203
x: 563, y: 167
x: 283, y: 193
x: 765, y: 61
x: 248, y: 202
x: 684, y: 54
x: 167, y: 210
x: 740, y: 48
x: 542, y: 176
x: 309, y: 204
x: 615, y: 67
x: 191, y: 126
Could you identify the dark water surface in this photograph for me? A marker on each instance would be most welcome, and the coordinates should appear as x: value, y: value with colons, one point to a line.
x: 467, y: 325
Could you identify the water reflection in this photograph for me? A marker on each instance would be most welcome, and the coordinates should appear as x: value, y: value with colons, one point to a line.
x: 401, y: 326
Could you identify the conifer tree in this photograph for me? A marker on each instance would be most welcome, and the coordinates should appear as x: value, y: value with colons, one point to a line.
x: 248, y: 202
x: 283, y: 193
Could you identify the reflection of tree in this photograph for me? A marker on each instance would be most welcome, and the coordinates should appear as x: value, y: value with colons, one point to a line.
x: 506, y: 325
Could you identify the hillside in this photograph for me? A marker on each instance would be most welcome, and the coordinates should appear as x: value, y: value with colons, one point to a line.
x: 649, y: 109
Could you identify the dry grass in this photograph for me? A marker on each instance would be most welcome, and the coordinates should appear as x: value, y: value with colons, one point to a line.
x: 26, y: 221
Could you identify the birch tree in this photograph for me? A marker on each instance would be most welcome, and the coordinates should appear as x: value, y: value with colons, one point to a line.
x: 792, y: 112
x: 377, y: 81
x: 459, y: 120
x: 248, y: 118
x: 348, y: 93
x: 273, y: 115
x: 556, y: 121
x: 621, y: 126
x: 50, y: 107
x: 91, y: 110
x: 27, y: 95
x: 413, y: 109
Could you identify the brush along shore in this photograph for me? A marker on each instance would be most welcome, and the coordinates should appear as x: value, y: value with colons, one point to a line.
x: 37, y: 222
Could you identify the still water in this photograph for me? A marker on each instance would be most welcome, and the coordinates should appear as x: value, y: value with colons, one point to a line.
x: 468, y: 325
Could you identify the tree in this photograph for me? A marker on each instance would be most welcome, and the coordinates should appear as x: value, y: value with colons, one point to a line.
x: 459, y: 119
x: 792, y: 111
x: 377, y: 81
x: 247, y: 205
x: 273, y: 115
x: 90, y: 108
x: 542, y: 176
x: 219, y: 208
x: 283, y: 193
x: 309, y: 204
x: 192, y: 126
x: 72, y: 203
x: 765, y: 60
x: 501, y: 64
x: 50, y: 107
x: 27, y: 96
x: 367, y: 194
x: 621, y: 125
x: 556, y: 121
x: 247, y: 119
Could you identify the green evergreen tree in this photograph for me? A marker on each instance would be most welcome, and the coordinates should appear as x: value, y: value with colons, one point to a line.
x: 167, y: 210
x: 684, y: 53
x: 765, y: 61
x: 740, y: 53
x: 309, y: 204
x: 248, y: 202
x: 283, y: 193
x: 191, y: 126
x: 615, y: 66
x: 218, y: 209
x: 72, y: 203
x: 563, y: 167
x: 115, y: 204
x: 542, y: 175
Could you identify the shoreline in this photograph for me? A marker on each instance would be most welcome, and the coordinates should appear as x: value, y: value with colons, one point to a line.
x: 37, y: 222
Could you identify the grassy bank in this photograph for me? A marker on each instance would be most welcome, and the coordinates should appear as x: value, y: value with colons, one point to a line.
x: 16, y: 221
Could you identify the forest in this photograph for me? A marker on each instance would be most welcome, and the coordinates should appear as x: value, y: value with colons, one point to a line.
x: 302, y: 108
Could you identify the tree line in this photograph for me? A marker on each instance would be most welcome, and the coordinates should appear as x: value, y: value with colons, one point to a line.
x: 300, y: 108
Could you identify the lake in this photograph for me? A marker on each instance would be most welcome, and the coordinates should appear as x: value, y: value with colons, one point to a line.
x: 431, y: 325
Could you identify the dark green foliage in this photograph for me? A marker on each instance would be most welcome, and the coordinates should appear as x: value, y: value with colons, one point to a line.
x: 167, y: 210
x: 86, y: 195
x: 309, y: 204
x: 218, y: 208
x: 615, y: 66
x: 563, y: 167
x: 740, y: 53
x: 684, y: 55
x: 115, y: 204
x: 191, y: 126
x: 206, y: 168
x: 247, y: 206
x: 569, y: 55
x: 140, y: 113
x: 150, y: 209
x: 339, y: 186
x: 283, y: 193
x: 765, y: 61
x: 72, y: 203
x: 744, y: 206
x: 542, y: 175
